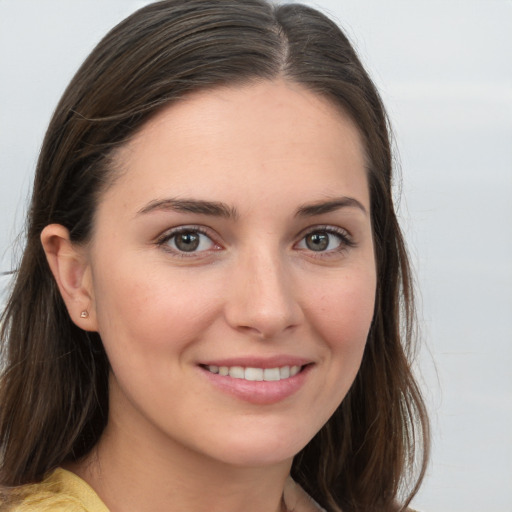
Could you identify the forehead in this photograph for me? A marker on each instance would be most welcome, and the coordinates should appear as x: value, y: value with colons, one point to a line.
x: 277, y: 104
x: 260, y: 137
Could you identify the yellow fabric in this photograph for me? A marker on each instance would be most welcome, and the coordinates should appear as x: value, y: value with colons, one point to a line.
x: 61, y: 491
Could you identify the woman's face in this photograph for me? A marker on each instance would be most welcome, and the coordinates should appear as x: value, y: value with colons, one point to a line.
x: 232, y: 272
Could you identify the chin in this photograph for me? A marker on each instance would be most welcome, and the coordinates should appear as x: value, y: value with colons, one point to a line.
x: 256, y: 449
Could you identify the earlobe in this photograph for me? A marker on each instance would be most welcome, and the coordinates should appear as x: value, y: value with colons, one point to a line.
x: 70, y: 268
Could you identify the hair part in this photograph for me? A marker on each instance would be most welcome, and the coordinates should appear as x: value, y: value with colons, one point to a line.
x: 54, y: 387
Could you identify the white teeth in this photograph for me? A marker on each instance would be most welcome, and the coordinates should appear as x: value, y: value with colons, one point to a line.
x: 294, y: 370
x: 236, y: 372
x: 256, y: 374
x: 253, y: 374
x: 271, y: 374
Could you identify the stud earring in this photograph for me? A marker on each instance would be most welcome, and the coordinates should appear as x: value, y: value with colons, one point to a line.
x: 84, y: 314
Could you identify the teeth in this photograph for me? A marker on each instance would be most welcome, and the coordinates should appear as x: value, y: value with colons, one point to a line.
x: 294, y: 370
x: 236, y: 372
x: 256, y: 374
x: 253, y: 374
x: 271, y: 374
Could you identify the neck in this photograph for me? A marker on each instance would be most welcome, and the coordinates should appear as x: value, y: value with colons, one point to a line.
x: 131, y: 470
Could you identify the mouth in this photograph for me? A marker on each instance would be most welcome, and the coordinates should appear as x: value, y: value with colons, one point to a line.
x: 259, y: 381
x: 255, y: 374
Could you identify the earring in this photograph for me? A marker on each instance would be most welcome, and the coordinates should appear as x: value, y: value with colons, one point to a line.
x: 84, y: 314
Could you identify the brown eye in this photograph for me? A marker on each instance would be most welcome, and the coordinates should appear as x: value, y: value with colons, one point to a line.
x: 187, y: 242
x: 318, y: 241
x: 326, y: 240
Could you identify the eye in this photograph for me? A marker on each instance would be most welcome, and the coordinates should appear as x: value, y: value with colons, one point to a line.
x: 187, y: 240
x: 325, y: 240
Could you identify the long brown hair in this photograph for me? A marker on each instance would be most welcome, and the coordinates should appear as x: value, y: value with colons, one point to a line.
x: 371, y: 454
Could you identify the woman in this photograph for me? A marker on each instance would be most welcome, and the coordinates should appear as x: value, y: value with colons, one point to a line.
x: 214, y: 294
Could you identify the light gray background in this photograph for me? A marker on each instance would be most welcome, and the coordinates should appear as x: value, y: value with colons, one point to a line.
x: 444, y: 68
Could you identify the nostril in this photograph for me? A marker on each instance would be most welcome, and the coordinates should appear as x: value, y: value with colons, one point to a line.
x: 265, y: 332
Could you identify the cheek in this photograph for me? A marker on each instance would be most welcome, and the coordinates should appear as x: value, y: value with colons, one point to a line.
x: 345, y: 310
x: 150, y: 312
x: 340, y: 316
x: 342, y: 319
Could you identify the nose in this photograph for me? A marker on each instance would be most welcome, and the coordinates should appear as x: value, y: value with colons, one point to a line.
x: 262, y: 299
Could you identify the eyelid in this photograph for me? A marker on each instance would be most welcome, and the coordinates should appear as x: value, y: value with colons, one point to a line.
x: 346, y: 239
x: 345, y: 236
x: 330, y: 228
x: 162, y: 239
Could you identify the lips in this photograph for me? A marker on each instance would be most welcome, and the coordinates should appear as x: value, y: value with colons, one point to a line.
x: 258, y: 381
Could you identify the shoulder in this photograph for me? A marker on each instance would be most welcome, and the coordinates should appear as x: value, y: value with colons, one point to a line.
x: 297, y: 500
x: 61, y: 491
x: 39, y: 502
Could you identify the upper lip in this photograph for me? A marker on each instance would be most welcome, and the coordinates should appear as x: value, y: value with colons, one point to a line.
x: 258, y: 362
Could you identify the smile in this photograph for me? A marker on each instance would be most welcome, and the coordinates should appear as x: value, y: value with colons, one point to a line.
x: 255, y: 374
x: 258, y: 381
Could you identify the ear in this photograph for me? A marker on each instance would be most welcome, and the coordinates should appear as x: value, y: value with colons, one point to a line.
x: 70, y: 267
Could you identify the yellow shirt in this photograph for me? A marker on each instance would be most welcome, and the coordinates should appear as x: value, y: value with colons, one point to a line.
x: 63, y: 491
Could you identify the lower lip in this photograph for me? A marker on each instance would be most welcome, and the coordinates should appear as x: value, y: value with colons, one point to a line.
x: 258, y: 392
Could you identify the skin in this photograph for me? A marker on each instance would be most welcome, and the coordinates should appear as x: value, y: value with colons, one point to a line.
x: 253, y: 288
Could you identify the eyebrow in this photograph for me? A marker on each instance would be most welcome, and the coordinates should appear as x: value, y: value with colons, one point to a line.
x: 218, y: 209
x: 199, y: 206
x: 319, y: 208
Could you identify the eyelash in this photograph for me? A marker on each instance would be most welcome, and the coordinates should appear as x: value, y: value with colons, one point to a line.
x: 163, y: 240
x: 344, y: 237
